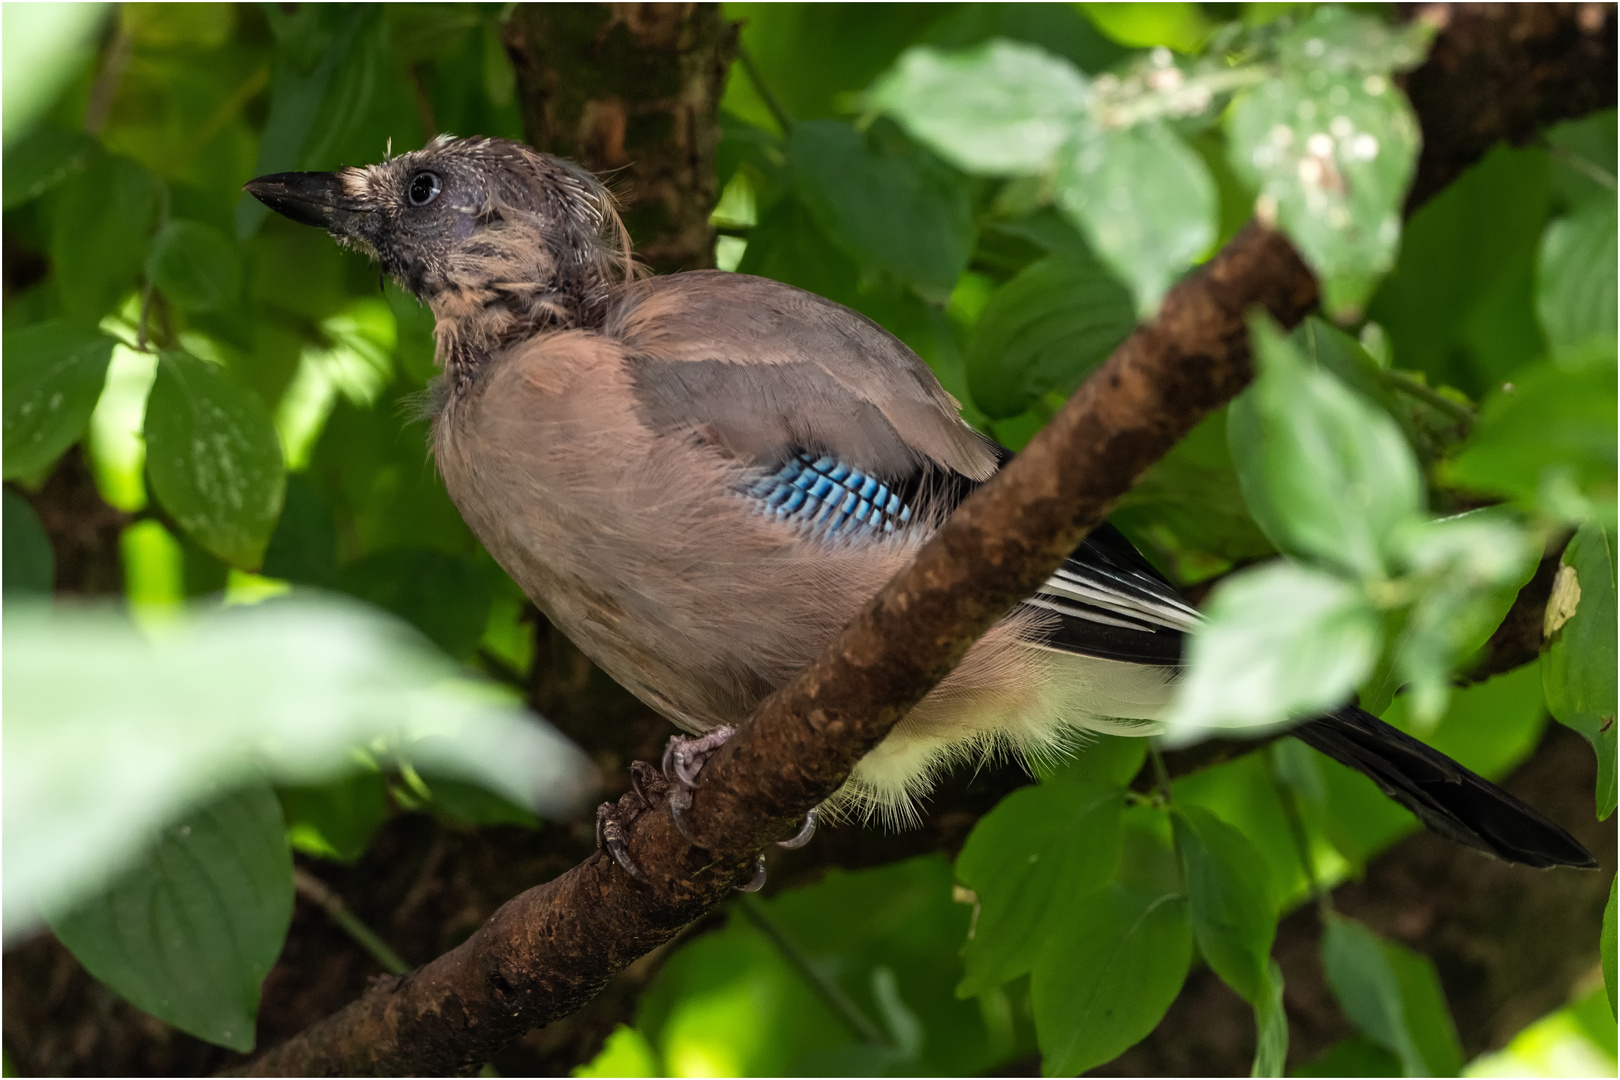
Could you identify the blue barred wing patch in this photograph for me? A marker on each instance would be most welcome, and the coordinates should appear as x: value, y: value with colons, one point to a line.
x: 829, y: 498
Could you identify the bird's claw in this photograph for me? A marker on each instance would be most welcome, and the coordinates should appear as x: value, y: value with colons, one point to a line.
x: 610, y: 827
x: 804, y: 834
x: 684, y: 758
x: 757, y: 882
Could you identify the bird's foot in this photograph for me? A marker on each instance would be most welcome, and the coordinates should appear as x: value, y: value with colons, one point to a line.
x: 613, y: 820
x: 684, y: 758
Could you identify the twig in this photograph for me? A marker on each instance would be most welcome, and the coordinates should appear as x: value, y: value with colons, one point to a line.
x: 783, y: 118
x: 1296, y: 829
x: 315, y: 890
x: 830, y: 993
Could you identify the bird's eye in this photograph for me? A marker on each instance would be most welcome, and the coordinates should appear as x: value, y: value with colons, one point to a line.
x: 424, y: 188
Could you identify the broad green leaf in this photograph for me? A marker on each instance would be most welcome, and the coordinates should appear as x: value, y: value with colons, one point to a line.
x: 1331, y: 144
x: 1460, y: 303
x: 1576, y: 280
x: 886, y: 201
x: 45, y: 45
x: 213, y: 458
x: 1144, y: 199
x: 1578, y: 664
x: 1606, y: 947
x: 53, y: 375
x: 1044, y: 331
x: 625, y: 1052
x: 1547, y: 440
x: 1233, y: 915
x: 195, y: 266
x: 303, y: 547
x: 1029, y: 861
x: 444, y: 596
x: 190, y: 932
x: 42, y: 159
x: 1340, y: 41
x: 102, y: 218
x: 1106, y: 983
x: 1355, y: 1056
x: 1393, y: 996
x: 337, y: 819
x: 1584, y: 157
x: 1281, y: 641
x: 1468, y: 570
x: 1179, y: 26
x: 26, y: 559
x: 286, y: 688
x: 1002, y: 108
x: 1271, y: 1025
x: 1325, y: 474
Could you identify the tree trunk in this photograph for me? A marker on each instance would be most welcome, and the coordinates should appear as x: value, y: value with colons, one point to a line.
x: 632, y: 91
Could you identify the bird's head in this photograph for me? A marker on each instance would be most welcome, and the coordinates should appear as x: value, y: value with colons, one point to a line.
x: 499, y: 240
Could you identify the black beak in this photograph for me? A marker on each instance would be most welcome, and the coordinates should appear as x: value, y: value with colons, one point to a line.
x: 309, y: 198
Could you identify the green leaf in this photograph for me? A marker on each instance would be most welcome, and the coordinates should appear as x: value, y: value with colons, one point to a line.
x: 1271, y: 1025
x: 42, y: 159
x: 1393, y: 996
x: 1578, y: 663
x: 1547, y: 440
x: 1340, y: 41
x: 1144, y: 199
x: 444, y: 596
x: 1331, y: 144
x: 1325, y: 474
x: 1583, y: 153
x: 53, y: 375
x: 1576, y: 280
x: 1002, y: 108
x: 102, y: 218
x: 303, y: 547
x: 1460, y: 304
x: 1355, y: 1056
x: 1606, y: 947
x: 885, y: 201
x: 1106, y: 983
x: 1233, y: 915
x: 1281, y: 641
x: 1468, y: 570
x: 190, y: 933
x: 1044, y: 331
x: 195, y: 266
x: 213, y: 458
x: 1179, y: 26
x: 1029, y: 860
x: 337, y: 819
x: 27, y: 561
x: 286, y: 688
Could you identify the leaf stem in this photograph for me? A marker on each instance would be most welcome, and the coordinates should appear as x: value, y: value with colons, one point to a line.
x: 1412, y: 386
x: 1296, y: 829
x: 783, y: 118
x: 317, y: 892
x: 829, y: 992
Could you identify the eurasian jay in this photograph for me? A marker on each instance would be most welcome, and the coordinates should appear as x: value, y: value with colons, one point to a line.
x: 701, y: 477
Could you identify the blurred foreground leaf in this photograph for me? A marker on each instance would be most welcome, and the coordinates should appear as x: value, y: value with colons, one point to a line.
x: 1393, y: 995
x: 287, y: 688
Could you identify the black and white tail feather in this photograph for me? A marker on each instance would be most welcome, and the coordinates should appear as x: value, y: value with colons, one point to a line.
x: 1114, y: 605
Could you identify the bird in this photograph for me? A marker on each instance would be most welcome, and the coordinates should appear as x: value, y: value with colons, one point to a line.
x: 701, y: 477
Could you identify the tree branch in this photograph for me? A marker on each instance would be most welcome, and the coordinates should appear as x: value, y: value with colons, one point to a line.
x: 547, y: 951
